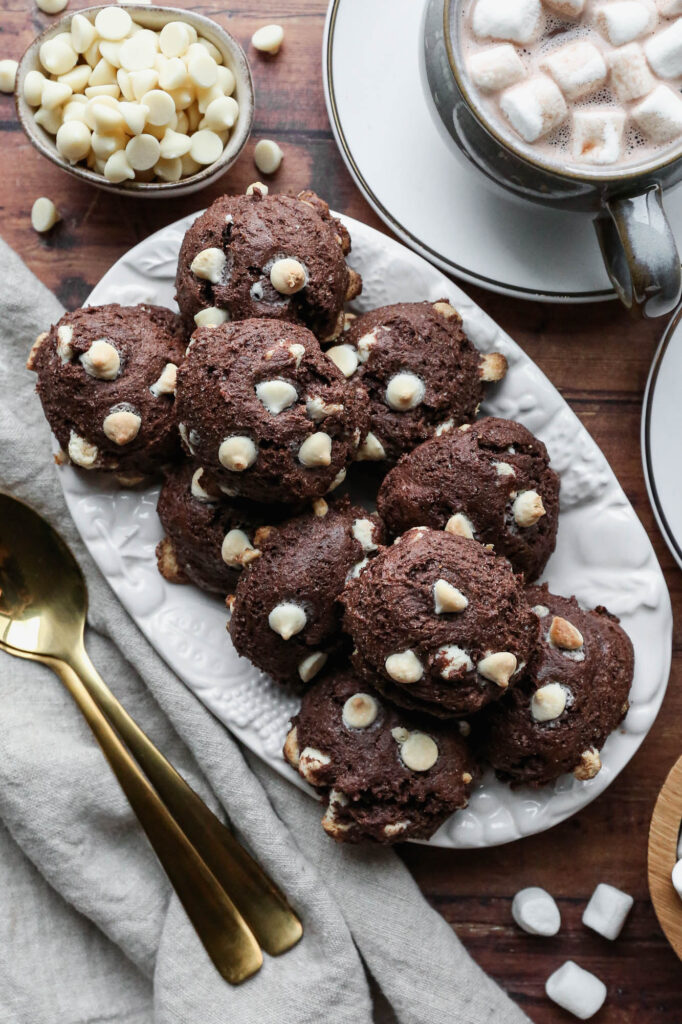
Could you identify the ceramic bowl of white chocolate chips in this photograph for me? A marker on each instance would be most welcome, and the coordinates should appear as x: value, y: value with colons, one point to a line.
x: 146, y: 100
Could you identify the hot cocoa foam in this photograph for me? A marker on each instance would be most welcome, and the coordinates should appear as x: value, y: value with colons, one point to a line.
x: 588, y: 84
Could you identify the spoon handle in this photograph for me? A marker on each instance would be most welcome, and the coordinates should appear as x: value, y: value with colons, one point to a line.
x: 255, y: 895
x: 220, y: 927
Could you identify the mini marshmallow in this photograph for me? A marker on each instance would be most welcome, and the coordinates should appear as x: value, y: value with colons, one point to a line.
x: 534, y: 108
x: 576, y: 990
x: 515, y: 20
x: 598, y: 136
x: 670, y: 8
x: 630, y: 75
x: 664, y: 51
x: 8, y: 75
x: 566, y: 8
x: 578, y: 69
x: 44, y: 215
x: 607, y: 910
x: 268, y: 39
x: 536, y: 912
x: 496, y: 68
x: 621, y: 21
x: 659, y: 115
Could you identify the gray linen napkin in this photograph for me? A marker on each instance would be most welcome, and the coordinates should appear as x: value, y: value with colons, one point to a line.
x: 90, y: 930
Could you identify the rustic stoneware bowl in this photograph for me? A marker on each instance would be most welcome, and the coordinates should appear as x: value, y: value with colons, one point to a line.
x: 154, y: 18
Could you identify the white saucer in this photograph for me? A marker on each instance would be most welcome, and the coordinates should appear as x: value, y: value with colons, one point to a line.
x: 661, y: 434
x: 404, y: 162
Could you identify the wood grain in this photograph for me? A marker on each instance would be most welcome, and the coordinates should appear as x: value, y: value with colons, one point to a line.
x: 599, y: 360
x: 664, y: 835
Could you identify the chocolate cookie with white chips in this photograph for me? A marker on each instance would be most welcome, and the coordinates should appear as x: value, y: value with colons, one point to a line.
x: 490, y: 481
x: 209, y: 538
x: 388, y: 775
x: 286, y: 617
x: 573, y: 695
x: 422, y: 373
x: 266, y: 413
x: 106, y: 379
x: 259, y: 255
x: 440, y: 624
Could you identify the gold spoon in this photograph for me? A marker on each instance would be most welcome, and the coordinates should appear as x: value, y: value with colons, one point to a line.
x: 43, y: 605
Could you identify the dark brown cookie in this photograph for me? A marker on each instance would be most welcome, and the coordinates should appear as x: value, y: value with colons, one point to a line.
x: 440, y: 624
x: 278, y: 256
x: 270, y: 417
x: 388, y: 775
x: 106, y: 378
x: 285, y: 616
x: 420, y: 370
x: 574, y: 694
x: 209, y: 538
x: 490, y: 480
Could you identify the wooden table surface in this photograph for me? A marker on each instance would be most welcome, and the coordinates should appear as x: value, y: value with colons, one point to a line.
x: 595, y: 355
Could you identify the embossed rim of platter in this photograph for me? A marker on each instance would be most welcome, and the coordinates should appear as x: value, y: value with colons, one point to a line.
x: 603, y: 554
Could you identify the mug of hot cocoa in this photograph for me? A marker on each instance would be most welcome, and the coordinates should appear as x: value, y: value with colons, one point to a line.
x: 575, y: 104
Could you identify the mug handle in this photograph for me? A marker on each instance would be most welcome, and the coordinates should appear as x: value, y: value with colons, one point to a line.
x: 640, y: 253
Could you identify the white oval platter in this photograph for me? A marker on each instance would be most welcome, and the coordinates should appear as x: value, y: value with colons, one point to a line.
x: 603, y: 554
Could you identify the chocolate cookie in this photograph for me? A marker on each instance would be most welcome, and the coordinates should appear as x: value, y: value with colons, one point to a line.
x: 285, y: 616
x: 209, y: 539
x: 388, y: 775
x: 267, y: 414
x: 106, y: 378
x: 422, y: 373
x: 574, y: 693
x: 440, y: 624
x: 257, y: 255
x: 490, y: 480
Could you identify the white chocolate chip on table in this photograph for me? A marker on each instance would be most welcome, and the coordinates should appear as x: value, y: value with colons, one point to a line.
x: 268, y: 39
x: 44, y: 215
x: 267, y: 156
x: 8, y: 75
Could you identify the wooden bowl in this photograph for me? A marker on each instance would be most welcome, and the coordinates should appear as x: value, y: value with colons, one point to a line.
x: 664, y: 834
x: 154, y: 18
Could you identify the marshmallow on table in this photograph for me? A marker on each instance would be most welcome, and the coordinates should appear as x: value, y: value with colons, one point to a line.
x: 578, y: 69
x: 534, y: 107
x: 630, y: 75
x: 659, y: 115
x: 576, y: 990
x: 536, y: 912
x: 566, y: 8
x: 597, y: 136
x: 515, y: 20
x: 621, y: 21
x: 607, y: 910
x: 664, y: 51
x: 496, y: 68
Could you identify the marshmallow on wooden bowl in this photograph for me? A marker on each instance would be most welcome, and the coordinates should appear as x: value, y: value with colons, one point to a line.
x: 137, y: 76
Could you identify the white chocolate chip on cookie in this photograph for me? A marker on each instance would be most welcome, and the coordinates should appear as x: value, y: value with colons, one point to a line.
x: 447, y: 598
x: 528, y: 509
x: 460, y: 526
x: 590, y: 765
x: 548, y: 703
x: 166, y: 383
x: 237, y: 453
x: 311, y: 665
x: 564, y: 634
x: 287, y: 619
x: 404, y: 667
x: 363, y: 531
x: 371, y: 450
x: 288, y: 276
x: 122, y: 426
x: 101, y: 360
x: 82, y: 452
x: 405, y: 391
x: 360, y: 711
x: 498, y: 668
x: 345, y: 357
x: 419, y: 752
x: 209, y: 265
x: 316, y: 450
x: 237, y: 550
x: 276, y: 395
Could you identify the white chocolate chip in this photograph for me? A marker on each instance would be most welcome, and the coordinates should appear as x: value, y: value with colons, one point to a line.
x: 310, y: 762
x: 122, y: 426
x: 444, y: 428
x: 498, y: 668
x: 504, y: 469
x: 175, y: 39
x: 318, y: 409
x: 57, y: 55
x: 395, y: 828
x: 541, y: 610
x: 316, y: 450
x: 113, y: 23
x: 548, y: 703
x: 371, y: 450
x: 8, y: 75
x: 419, y: 752
x: 366, y: 344
x: 564, y: 634
x: 460, y: 526
x: 51, y: 6
x: 209, y: 265
x: 287, y: 619
x: 360, y: 711
x: 404, y: 667
x: 447, y: 598
x: 528, y: 509
x: 267, y: 156
x: 288, y: 276
x: 311, y: 665
x: 363, y: 531
x: 166, y: 383
x: 320, y: 508
x: 44, y: 215
x: 399, y: 734
x: 237, y: 550
x: 237, y: 453
x: 257, y: 186
x: 297, y: 351
x: 337, y: 481
x: 492, y: 367
x: 206, y: 146
x: 445, y: 310
x: 211, y: 317
x: 357, y: 569
x: 268, y: 39
x: 65, y: 342
x: 590, y: 765
x: 82, y: 452
x: 405, y: 391
x: 276, y: 395
x: 101, y: 360
x: 454, y: 660
x: 34, y: 83
x: 117, y: 168
x: 199, y: 492
x: 345, y: 357
x: 73, y: 141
